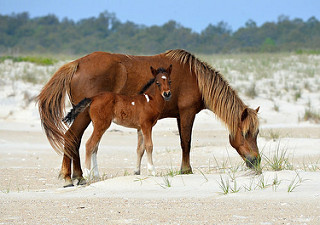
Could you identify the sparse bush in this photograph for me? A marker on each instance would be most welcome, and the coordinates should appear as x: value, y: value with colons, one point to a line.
x: 311, y: 115
x: 251, y: 91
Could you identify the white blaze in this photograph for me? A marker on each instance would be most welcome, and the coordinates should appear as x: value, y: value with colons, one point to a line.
x: 164, y: 77
x: 132, y: 103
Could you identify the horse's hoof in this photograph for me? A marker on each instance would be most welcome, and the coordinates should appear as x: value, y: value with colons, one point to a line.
x: 136, y: 172
x: 186, y: 171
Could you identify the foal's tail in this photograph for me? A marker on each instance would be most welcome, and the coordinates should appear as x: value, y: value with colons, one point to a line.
x: 82, y: 105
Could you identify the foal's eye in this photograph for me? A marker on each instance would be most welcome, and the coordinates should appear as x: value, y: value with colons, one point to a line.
x: 169, y: 82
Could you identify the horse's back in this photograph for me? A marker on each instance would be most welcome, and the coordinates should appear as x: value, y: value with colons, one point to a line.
x: 103, y: 71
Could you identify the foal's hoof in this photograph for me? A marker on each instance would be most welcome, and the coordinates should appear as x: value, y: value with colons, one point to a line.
x: 81, y: 181
x: 68, y: 183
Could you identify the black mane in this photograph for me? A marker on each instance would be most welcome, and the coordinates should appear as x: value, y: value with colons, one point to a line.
x: 146, y: 86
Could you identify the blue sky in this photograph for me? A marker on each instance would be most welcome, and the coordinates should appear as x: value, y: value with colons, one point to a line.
x: 194, y: 14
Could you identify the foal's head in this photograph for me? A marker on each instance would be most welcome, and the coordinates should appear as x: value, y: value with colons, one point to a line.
x: 163, y: 81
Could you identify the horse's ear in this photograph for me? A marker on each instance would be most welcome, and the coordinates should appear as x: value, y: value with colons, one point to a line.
x: 153, y: 71
x: 169, y: 69
x: 244, y: 114
x: 257, y: 109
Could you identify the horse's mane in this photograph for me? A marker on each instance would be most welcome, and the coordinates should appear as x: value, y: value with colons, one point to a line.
x: 217, y: 94
x: 146, y: 86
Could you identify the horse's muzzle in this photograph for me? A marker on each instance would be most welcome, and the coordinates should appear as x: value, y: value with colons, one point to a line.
x: 252, y: 162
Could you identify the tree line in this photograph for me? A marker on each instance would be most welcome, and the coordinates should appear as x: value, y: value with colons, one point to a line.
x: 48, y: 34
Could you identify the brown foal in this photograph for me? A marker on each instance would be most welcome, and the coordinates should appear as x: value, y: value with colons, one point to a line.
x: 141, y: 112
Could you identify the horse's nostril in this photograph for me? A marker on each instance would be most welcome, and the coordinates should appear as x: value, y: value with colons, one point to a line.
x: 167, y: 94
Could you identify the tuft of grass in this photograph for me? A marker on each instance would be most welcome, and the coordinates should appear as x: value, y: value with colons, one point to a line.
x: 280, y: 160
x: 167, y: 182
x: 235, y: 188
x: 262, y: 183
x: 297, y: 95
x: 311, y: 115
x: 250, y: 186
x: 139, y: 179
x: 296, y: 182
x: 251, y: 91
x: 224, y: 185
x: 204, y: 176
x: 275, y: 183
x: 275, y: 107
x: 274, y: 135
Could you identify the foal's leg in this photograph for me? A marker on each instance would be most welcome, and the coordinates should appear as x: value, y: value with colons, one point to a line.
x: 147, y: 137
x: 140, y: 152
x: 185, y: 124
x: 92, y: 148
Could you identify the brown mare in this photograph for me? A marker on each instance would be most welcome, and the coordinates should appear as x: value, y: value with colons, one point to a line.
x: 141, y: 112
x: 195, y: 86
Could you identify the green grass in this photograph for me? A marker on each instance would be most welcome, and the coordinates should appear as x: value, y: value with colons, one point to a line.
x: 296, y: 182
x: 279, y: 160
x: 224, y: 185
x: 33, y: 59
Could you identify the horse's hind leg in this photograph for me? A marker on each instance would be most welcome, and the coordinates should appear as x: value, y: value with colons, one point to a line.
x: 147, y: 137
x: 140, y: 152
x: 77, y: 129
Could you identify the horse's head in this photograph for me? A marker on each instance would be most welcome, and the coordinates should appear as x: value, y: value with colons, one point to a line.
x: 163, y: 81
x: 245, y: 138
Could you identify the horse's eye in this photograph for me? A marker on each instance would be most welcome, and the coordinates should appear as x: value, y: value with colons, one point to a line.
x: 169, y: 82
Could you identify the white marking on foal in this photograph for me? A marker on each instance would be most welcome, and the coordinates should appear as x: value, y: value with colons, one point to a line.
x: 151, y: 169
x: 164, y: 77
x: 132, y: 103
x: 95, y: 165
x: 147, y: 97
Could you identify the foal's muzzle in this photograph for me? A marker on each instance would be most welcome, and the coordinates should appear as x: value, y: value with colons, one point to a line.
x: 167, y: 95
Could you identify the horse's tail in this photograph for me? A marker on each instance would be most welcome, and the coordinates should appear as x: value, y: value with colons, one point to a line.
x: 51, y: 102
x: 82, y: 105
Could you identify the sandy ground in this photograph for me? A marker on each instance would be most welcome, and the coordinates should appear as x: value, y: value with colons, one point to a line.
x: 31, y: 192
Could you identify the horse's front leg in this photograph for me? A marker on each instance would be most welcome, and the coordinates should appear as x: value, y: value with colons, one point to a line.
x: 140, y: 152
x: 185, y: 124
x: 74, y: 133
x: 147, y: 137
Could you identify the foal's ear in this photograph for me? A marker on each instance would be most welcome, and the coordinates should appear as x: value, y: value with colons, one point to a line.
x: 244, y: 114
x: 257, y: 109
x: 153, y: 71
x: 169, y: 69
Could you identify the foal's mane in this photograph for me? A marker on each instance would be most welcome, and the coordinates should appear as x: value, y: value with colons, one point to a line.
x: 146, y: 86
x: 217, y: 94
